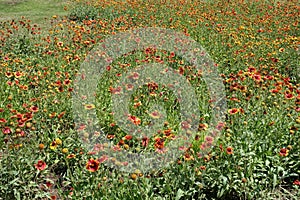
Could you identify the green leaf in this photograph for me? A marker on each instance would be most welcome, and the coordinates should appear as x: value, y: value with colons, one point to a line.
x: 274, y: 180
x: 267, y: 163
x: 180, y: 193
x: 13, y: 181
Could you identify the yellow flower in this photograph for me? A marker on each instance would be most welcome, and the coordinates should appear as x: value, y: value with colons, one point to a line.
x: 55, y: 143
x: 58, y: 141
x: 64, y: 150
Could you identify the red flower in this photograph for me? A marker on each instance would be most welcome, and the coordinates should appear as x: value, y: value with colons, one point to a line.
x: 257, y: 77
x: 251, y: 69
x: 129, y: 86
x: 209, y: 139
x: 296, y: 182
x: 145, y: 141
x: 268, y: 77
x: 233, y: 111
x: 159, y: 145
x: 221, y: 147
x: 289, y: 96
x: 41, y: 165
x: 92, y: 165
x: 53, y: 197
x: 185, y: 125
x: 220, y: 125
x: 49, y: 184
x: 283, y: 152
x: 2, y: 120
x: 103, y: 159
x: 229, y: 150
x: 34, y: 108
x: 128, y: 137
x: 274, y: 90
x: 6, y: 130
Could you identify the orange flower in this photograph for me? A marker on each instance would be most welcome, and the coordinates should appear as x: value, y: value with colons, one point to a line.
x: 92, y: 165
x: 274, y: 91
x: 137, y: 104
x: 72, y: 155
x: 133, y: 176
x: 203, y: 127
x: 134, y: 119
x: 168, y: 133
x: 41, y: 165
x: 41, y: 146
x: 110, y: 136
x: 159, y: 145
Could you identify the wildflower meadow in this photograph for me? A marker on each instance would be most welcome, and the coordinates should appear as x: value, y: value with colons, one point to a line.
x: 150, y: 99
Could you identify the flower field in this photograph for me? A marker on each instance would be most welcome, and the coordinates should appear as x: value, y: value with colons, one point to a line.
x: 255, y: 47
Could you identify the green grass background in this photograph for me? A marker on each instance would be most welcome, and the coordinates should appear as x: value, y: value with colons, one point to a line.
x: 36, y: 10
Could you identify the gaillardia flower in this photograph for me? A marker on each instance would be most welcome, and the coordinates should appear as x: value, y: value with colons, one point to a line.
x: 41, y: 165
x: 92, y: 165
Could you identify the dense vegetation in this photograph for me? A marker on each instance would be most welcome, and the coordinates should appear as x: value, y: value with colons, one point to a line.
x: 255, y: 45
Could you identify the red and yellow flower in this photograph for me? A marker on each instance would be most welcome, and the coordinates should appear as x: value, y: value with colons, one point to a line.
x: 92, y: 165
